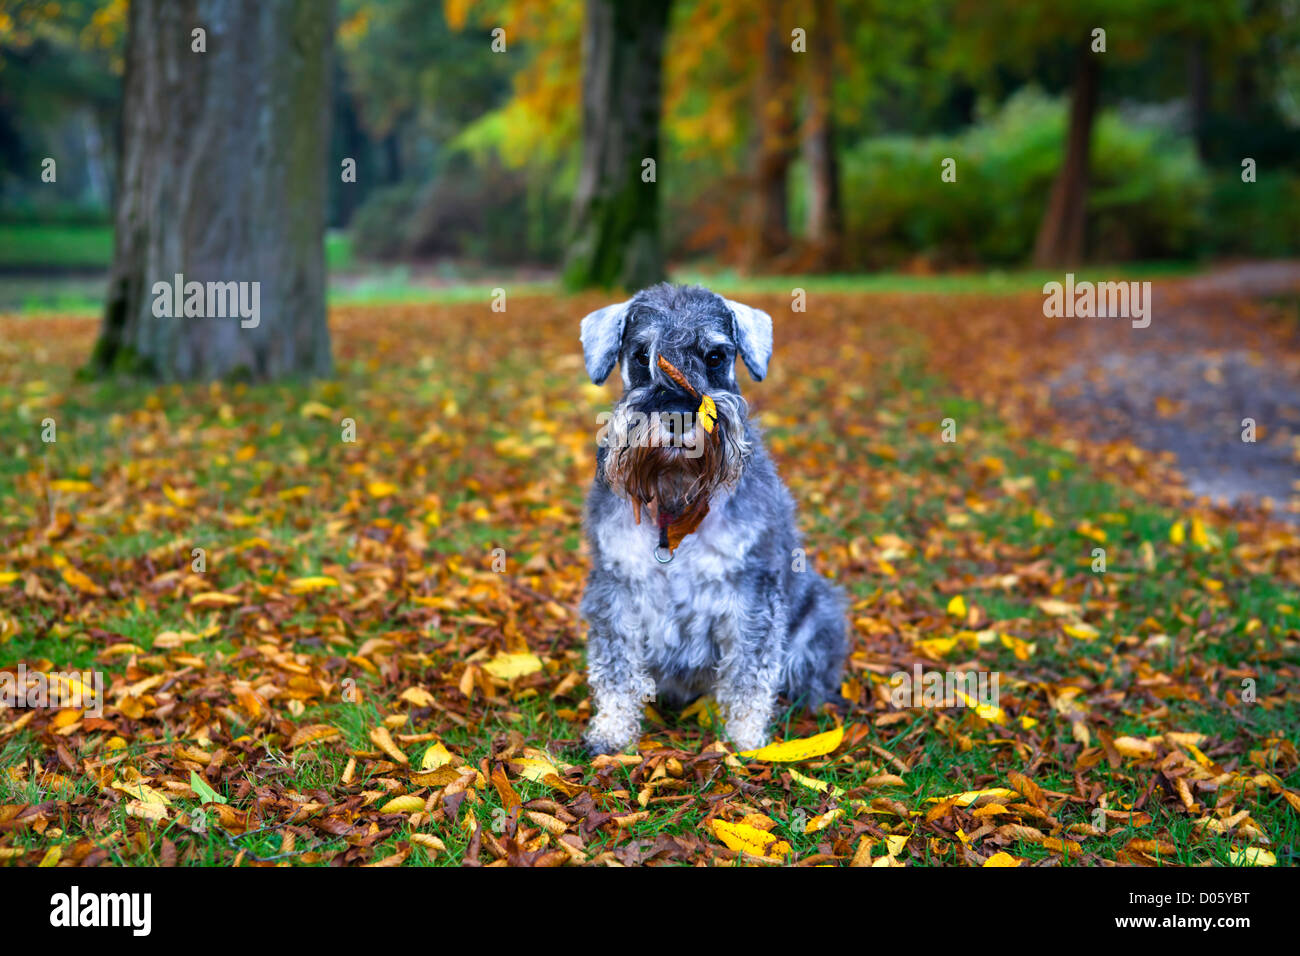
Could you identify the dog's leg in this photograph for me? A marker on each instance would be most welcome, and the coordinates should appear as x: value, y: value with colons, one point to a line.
x: 620, y: 689
x: 753, y: 647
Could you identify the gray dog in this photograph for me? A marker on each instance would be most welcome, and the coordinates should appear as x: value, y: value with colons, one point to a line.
x: 698, y: 582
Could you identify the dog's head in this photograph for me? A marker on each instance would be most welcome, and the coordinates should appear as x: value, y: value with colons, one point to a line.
x: 675, y: 345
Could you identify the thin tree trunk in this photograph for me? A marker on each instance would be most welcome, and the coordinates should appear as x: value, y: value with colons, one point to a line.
x: 1198, y: 89
x: 222, y: 181
x: 825, y: 215
x: 777, y: 138
x: 1063, y: 233
x: 614, y: 233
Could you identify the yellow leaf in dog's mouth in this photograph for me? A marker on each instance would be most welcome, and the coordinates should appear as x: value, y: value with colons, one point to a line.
x: 708, y: 414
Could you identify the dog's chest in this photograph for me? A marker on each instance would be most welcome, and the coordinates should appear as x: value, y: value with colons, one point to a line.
x: 676, y: 607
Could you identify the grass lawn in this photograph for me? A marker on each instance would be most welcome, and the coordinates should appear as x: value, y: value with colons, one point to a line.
x: 381, y: 659
x: 27, y: 250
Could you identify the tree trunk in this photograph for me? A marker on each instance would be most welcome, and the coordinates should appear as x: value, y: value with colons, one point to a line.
x: 1198, y: 90
x: 777, y: 137
x: 825, y: 214
x: 1062, y: 235
x: 222, y: 182
x: 614, y: 233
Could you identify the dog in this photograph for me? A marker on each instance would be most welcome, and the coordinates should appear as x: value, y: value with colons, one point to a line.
x: 698, y: 581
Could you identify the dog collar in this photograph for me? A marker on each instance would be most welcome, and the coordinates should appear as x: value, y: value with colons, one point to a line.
x: 673, y: 529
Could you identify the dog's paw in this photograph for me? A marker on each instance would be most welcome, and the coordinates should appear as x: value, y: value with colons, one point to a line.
x: 748, y: 735
x: 595, y: 744
x: 607, y: 737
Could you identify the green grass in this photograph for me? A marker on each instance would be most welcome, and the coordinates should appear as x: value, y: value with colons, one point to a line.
x: 26, y: 250
x: 34, y: 246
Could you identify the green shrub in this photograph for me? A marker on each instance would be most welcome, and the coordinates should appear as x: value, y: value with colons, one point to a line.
x: 379, y: 227
x: 1255, y: 219
x: 1147, y: 200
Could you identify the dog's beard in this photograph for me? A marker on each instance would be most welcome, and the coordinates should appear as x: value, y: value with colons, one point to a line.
x: 675, y: 476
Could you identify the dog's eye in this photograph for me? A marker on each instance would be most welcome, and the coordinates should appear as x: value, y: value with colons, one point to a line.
x: 642, y: 357
x: 715, y: 358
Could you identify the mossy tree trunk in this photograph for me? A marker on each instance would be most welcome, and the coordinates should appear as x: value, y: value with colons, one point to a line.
x: 614, y: 233
x: 223, y: 171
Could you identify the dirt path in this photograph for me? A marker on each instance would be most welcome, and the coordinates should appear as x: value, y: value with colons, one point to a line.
x: 1220, y: 349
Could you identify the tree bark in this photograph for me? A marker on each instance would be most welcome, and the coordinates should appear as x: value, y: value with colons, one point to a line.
x: 777, y: 138
x: 614, y: 232
x: 1063, y: 232
x: 222, y: 179
x: 825, y: 213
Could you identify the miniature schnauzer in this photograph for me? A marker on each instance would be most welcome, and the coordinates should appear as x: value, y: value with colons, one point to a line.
x: 709, y: 593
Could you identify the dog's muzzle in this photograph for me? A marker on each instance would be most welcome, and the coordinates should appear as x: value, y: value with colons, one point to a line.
x: 663, y: 459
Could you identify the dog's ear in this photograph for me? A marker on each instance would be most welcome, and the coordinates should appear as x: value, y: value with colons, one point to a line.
x: 753, y: 337
x: 602, y: 334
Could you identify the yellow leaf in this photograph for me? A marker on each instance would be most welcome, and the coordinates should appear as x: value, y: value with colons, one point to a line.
x: 312, y: 733
x: 957, y: 606
x: 894, y: 844
x: 744, y: 838
x: 382, y: 739
x: 984, y: 711
x: 381, y: 489
x: 437, y: 756
x: 1082, y: 632
x: 1135, y: 747
x: 117, y: 650
x: 80, y: 581
x: 179, y: 498
x: 1021, y: 648
x: 9, y: 577
x: 966, y: 798
x: 429, y: 842
x: 312, y: 583
x: 406, y: 804
x: 1252, y: 856
x: 213, y: 599
x: 821, y: 786
x: 52, y: 857
x: 314, y: 409
x: 936, y: 646
x: 1001, y: 859
x: 1057, y: 608
x: 509, y: 666
x: 71, y: 485
x: 819, y: 823
x: 708, y: 414
x: 803, y: 749
x: 142, y: 792
x: 418, y: 696
x: 143, y: 810
x: 535, y: 769
x: 1176, y: 533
